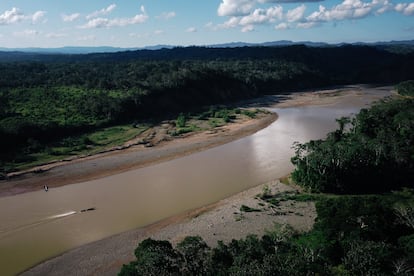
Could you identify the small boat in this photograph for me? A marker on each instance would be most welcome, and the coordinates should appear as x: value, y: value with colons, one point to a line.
x: 87, y: 210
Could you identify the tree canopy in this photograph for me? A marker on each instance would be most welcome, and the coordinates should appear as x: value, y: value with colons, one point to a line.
x: 374, y: 154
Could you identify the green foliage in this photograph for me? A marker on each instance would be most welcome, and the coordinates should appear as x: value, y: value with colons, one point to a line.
x: 406, y: 88
x: 406, y: 243
x: 375, y: 154
x: 181, y: 120
x: 196, y: 255
x: 266, y: 192
x: 353, y: 235
x: 249, y: 113
x: 156, y: 258
x: 367, y: 258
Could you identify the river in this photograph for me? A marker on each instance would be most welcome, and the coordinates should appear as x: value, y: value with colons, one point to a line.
x: 39, y: 225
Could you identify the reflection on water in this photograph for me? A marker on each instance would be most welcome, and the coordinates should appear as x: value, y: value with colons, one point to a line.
x: 140, y: 197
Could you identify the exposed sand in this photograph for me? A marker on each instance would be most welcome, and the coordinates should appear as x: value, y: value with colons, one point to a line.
x: 219, y: 221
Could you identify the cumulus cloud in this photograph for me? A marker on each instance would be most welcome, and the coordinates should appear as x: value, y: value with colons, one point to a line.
x: 167, y: 15
x: 70, y: 17
x: 306, y: 25
x: 117, y: 22
x: 101, y: 12
x: 15, y: 16
x: 101, y: 22
x: 405, y: 8
x: 260, y: 16
x: 235, y: 7
x: 296, y: 14
x: 248, y: 28
x: 348, y: 9
x: 246, y: 15
x: 38, y: 17
x: 282, y: 26
x: 12, y: 16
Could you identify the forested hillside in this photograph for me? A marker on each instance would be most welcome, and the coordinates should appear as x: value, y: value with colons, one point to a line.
x: 44, y: 97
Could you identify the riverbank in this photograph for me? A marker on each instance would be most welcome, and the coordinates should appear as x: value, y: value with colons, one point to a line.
x: 222, y: 220
x: 131, y: 155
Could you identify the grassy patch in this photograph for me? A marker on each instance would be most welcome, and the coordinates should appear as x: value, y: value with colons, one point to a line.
x: 85, y: 144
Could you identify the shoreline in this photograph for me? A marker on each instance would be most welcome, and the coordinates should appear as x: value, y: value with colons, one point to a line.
x: 117, y: 161
x: 221, y: 220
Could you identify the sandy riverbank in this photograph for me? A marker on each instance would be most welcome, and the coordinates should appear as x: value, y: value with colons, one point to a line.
x: 218, y: 221
x: 130, y: 156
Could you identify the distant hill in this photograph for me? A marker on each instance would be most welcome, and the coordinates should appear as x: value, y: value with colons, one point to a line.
x: 406, y: 44
x: 69, y: 50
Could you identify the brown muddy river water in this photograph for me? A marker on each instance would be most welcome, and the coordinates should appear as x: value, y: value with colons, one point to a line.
x: 39, y: 225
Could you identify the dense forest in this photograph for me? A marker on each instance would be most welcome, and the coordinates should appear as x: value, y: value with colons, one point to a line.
x: 46, y: 97
x: 354, y: 233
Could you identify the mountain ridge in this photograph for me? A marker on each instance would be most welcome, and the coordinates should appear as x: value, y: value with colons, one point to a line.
x: 110, y: 49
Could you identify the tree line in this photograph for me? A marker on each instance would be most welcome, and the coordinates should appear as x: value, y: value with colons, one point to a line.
x: 372, y: 152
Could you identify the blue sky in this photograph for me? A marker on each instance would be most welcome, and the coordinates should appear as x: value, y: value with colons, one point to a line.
x: 131, y: 23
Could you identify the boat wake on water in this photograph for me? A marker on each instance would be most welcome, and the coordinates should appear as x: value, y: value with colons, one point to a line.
x: 10, y: 230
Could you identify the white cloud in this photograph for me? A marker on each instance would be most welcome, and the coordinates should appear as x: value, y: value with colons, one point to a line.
x: 235, y: 7
x: 282, y: 26
x: 166, y: 15
x: 117, y: 22
x: 101, y: 22
x: 231, y: 23
x: 296, y: 14
x: 306, y: 25
x: 158, y: 32
x: 38, y: 16
x: 70, y: 17
x: 245, y: 14
x: 191, y: 30
x: 211, y: 26
x: 12, y: 16
x: 101, y: 12
x: 405, y: 8
x: 260, y: 16
x: 15, y: 16
x: 348, y: 9
x: 248, y: 28
x: 384, y: 6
